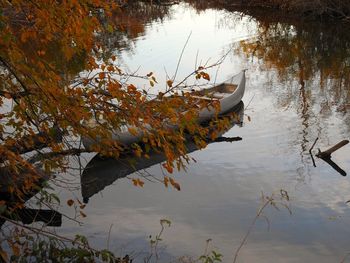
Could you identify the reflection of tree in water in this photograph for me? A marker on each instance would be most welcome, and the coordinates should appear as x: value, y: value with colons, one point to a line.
x: 130, y: 23
x: 311, y: 59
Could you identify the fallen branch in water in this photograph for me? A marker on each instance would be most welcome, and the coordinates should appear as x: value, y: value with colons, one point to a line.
x: 310, y: 151
x: 327, y: 155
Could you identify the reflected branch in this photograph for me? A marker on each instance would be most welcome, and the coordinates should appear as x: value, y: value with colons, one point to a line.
x: 326, y: 155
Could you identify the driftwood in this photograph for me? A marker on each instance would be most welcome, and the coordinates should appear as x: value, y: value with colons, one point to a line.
x: 327, y: 155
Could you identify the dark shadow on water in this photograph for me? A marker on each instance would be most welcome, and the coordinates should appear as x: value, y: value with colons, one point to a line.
x: 101, y: 172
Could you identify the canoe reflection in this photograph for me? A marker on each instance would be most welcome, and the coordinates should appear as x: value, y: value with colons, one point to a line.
x: 101, y: 172
x: 28, y: 216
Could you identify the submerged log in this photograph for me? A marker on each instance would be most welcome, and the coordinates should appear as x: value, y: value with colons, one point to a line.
x: 327, y: 153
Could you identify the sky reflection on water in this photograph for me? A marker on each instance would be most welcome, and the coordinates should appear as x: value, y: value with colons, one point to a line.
x: 220, y: 193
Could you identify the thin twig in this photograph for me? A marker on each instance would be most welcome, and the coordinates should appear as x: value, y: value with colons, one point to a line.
x: 249, y: 102
x: 268, y: 201
x: 313, y: 145
x: 310, y: 151
x: 109, y: 235
x: 182, y: 51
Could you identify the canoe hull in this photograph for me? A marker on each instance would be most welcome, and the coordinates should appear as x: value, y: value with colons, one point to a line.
x: 226, y: 104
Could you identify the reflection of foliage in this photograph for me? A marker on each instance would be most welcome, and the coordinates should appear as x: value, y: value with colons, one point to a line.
x: 335, y: 8
x: 130, y: 22
x: 306, y: 52
x: 314, y: 8
x: 312, y: 62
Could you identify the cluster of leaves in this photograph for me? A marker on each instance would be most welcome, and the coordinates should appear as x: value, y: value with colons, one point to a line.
x: 45, y: 102
x: 56, y: 87
x: 35, y: 248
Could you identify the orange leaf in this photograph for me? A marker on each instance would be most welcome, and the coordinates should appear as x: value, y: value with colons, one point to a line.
x: 133, y: 131
x: 101, y: 75
x: 205, y: 76
x: 169, y: 83
x: 70, y: 202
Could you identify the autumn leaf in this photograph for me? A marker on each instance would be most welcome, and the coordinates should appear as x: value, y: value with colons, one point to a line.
x: 169, y: 83
x: 205, y: 76
x: 177, y: 186
x: 70, y: 202
x: 101, y: 75
x: 166, y: 180
x: 138, y: 182
x: 133, y: 131
x: 141, y: 183
x: 168, y: 168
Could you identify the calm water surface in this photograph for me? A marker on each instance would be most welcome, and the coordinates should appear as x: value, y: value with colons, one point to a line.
x: 297, y: 90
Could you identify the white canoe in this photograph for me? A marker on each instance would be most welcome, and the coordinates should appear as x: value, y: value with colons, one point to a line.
x: 229, y: 94
x: 101, y: 172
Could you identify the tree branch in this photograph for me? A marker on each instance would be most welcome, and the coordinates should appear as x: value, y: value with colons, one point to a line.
x: 37, y: 141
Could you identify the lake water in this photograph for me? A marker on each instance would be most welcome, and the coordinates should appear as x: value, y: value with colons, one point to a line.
x: 297, y: 90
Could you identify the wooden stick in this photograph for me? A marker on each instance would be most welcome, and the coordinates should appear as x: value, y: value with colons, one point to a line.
x: 313, y: 145
x: 328, y: 152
